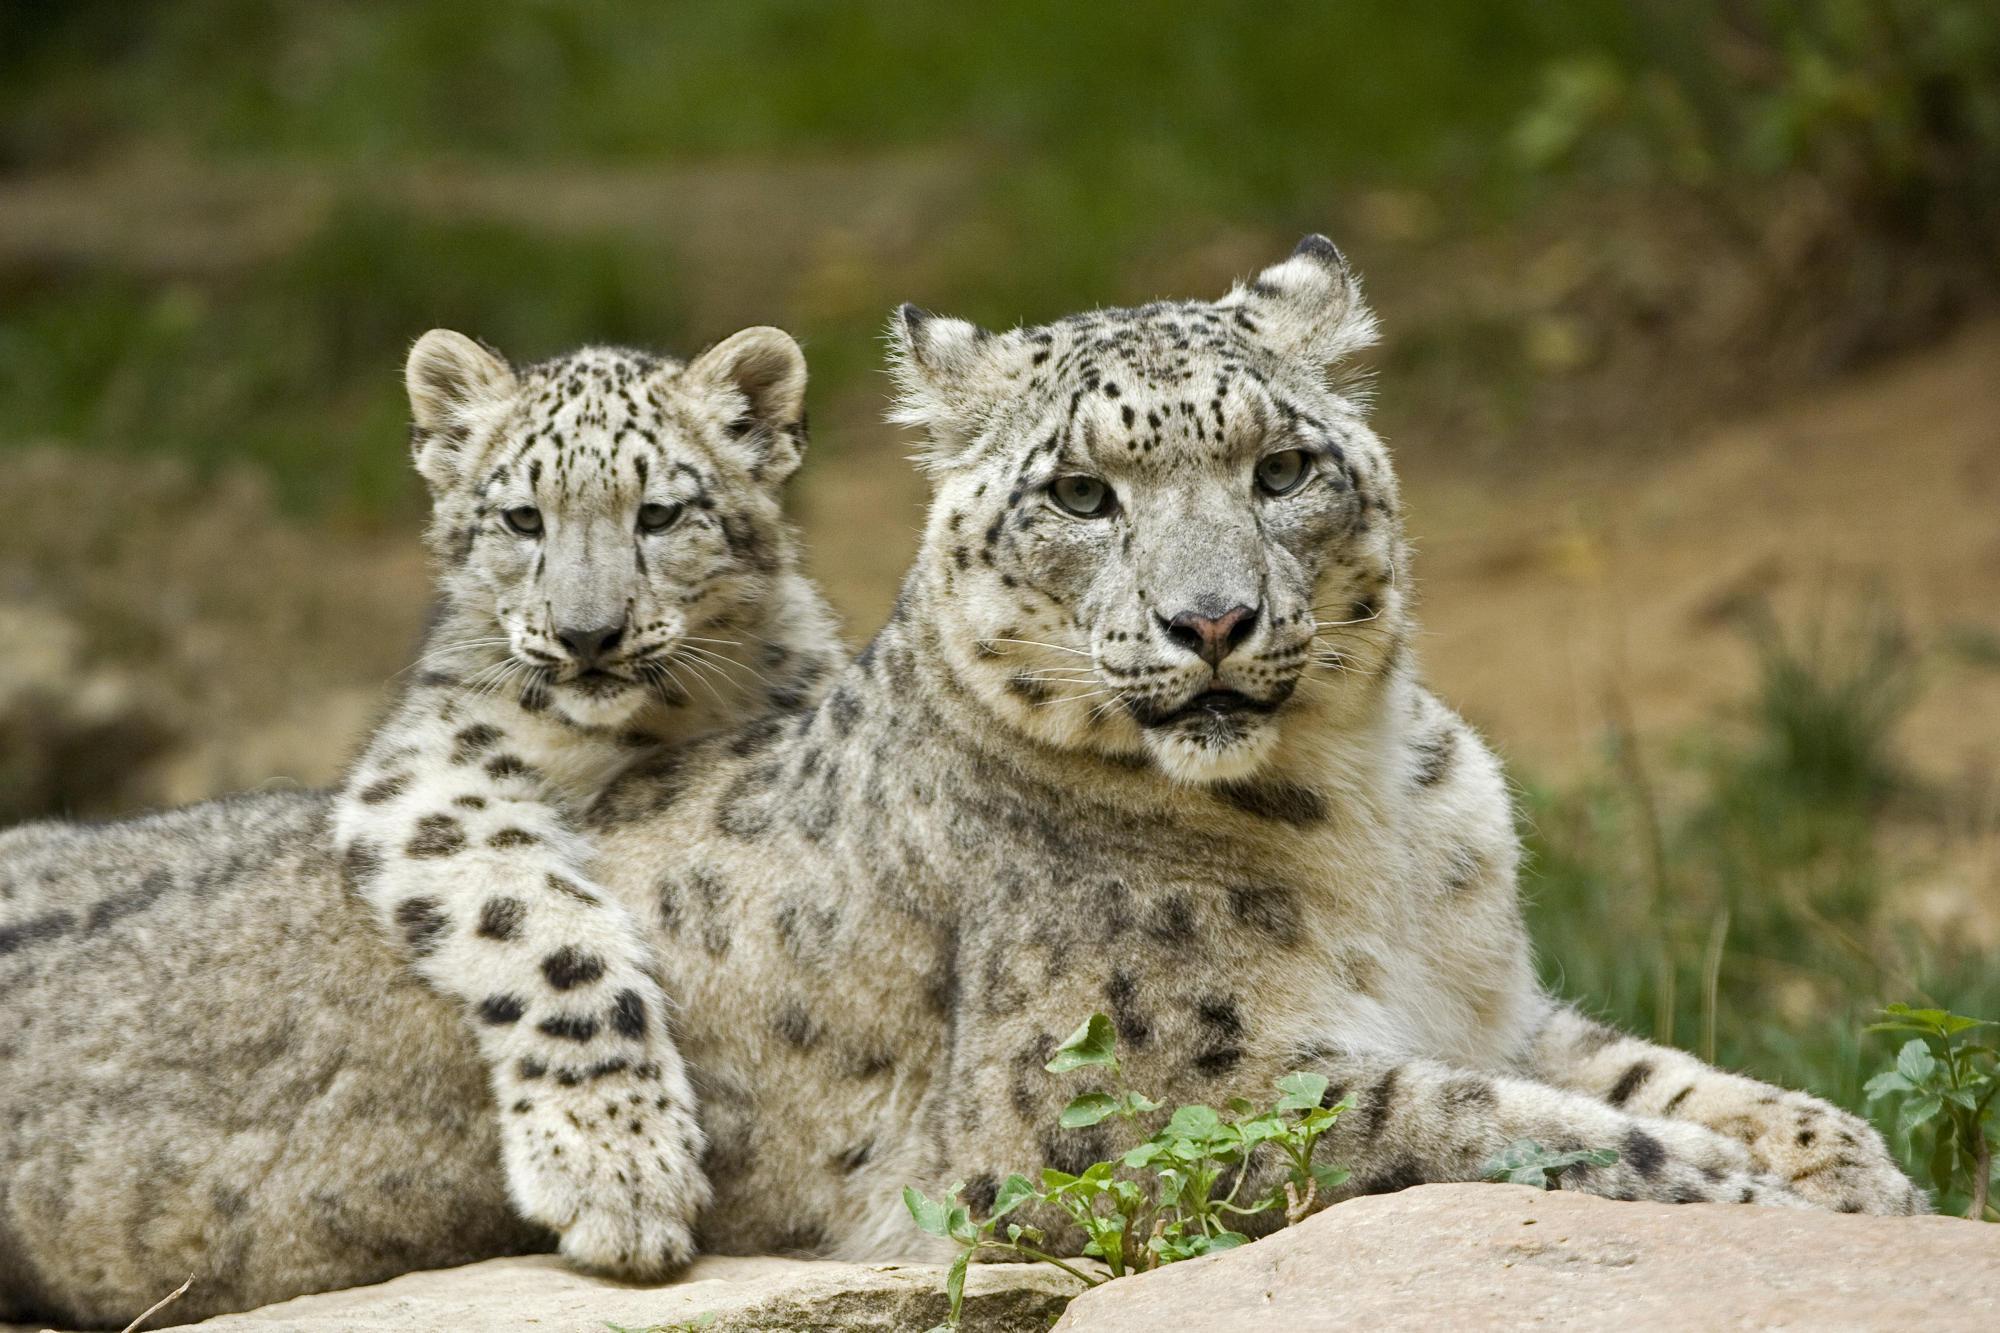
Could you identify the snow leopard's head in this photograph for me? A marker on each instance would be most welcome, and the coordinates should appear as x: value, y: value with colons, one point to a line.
x: 1159, y: 532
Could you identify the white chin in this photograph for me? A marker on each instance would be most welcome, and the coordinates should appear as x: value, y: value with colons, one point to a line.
x: 598, y: 710
x: 1205, y: 759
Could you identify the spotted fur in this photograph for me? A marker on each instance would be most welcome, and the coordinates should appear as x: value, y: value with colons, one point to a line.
x: 881, y: 912
x: 577, y: 634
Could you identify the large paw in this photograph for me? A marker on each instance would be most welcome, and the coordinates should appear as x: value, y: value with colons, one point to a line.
x: 613, y: 1164
x: 1667, y: 1161
x: 1833, y: 1159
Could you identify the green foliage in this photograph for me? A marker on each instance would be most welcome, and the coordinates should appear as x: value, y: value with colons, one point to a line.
x: 293, y: 363
x: 1945, y: 1086
x: 1526, y: 1162
x: 1893, y: 103
x: 1077, y: 145
x: 1074, y: 146
x: 1164, y: 1199
x: 1745, y: 875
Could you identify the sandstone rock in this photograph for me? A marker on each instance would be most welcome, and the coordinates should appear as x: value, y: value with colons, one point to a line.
x: 544, y: 1294
x: 1505, y: 1256
x: 1448, y: 1256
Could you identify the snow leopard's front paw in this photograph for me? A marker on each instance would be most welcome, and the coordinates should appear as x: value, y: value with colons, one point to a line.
x: 1671, y: 1161
x: 1834, y: 1160
x: 613, y: 1165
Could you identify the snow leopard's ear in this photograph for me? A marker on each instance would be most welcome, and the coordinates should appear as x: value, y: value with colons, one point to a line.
x: 1308, y: 307
x: 754, y: 383
x: 950, y: 377
x: 457, y: 387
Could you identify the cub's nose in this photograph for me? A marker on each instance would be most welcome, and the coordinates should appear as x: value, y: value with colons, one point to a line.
x: 591, y: 646
x: 1211, y: 637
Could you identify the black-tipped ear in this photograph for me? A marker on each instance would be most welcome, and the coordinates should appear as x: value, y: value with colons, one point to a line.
x: 949, y: 376
x: 452, y: 382
x: 1318, y: 247
x: 756, y: 381
x: 1309, y: 306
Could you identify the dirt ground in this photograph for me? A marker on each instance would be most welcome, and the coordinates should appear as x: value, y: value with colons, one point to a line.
x: 221, y: 647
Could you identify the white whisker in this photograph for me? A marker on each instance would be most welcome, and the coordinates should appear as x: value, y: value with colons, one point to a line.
x: 1037, y: 643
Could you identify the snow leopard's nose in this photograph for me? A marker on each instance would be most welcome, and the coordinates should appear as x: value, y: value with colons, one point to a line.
x: 1211, y: 637
x: 591, y: 646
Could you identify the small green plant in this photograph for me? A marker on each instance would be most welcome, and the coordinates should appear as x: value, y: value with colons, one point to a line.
x: 1174, y: 1195
x: 1526, y: 1162
x: 1946, y: 1085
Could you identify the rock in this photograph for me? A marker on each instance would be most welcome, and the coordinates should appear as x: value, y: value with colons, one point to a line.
x: 1487, y: 1256
x: 544, y: 1294
x: 1450, y: 1256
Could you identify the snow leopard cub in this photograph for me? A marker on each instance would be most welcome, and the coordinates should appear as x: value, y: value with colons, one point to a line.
x: 616, y: 576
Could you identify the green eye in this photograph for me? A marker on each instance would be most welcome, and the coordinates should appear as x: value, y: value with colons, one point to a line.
x: 524, y: 519
x: 1282, y: 473
x: 1086, y: 497
x: 658, y: 518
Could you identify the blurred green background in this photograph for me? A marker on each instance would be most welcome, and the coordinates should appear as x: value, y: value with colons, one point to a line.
x: 1690, y: 366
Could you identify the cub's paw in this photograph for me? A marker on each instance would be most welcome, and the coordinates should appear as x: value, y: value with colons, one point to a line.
x: 613, y: 1165
x: 1834, y: 1160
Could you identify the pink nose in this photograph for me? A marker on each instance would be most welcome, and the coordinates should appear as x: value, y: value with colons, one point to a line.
x: 1212, y: 637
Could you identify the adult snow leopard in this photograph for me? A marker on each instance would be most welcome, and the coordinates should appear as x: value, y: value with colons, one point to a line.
x: 1143, y: 734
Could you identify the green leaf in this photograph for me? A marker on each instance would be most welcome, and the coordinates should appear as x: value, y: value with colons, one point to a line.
x: 1525, y: 1162
x: 1317, y: 1121
x: 932, y: 1217
x: 1144, y: 1153
x: 1088, y: 1109
x: 1254, y: 1132
x: 1194, y: 1122
x: 1053, y: 1179
x: 1918, y: 1110
x: 1940, y: 1021
x: 1014, y: 1191
x: 1886, y: 1083
x: 1302, y: 1092
x: 958, y: 1224
x: 1092, y: 1044
x: 1138, y: 1103
x: 954, y: 1284
x: 1329, y: 1177
x: 1915, y: 1062
x: 1239, y: 1106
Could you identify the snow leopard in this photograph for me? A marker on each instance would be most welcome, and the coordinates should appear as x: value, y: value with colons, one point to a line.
x: 614, y: 577
x: 1145, y: 734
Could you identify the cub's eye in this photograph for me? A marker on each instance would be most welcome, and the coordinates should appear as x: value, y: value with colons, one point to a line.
x: 1282, y: 473
x: 524, y: 519
x: 1086, y: 497
x: 658, y: 518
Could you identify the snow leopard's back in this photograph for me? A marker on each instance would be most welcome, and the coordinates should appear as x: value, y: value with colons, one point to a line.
x: 192, y: 1012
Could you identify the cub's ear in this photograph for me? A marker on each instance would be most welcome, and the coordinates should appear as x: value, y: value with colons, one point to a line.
x: 950, y: 376
x: 755, y: 381
x: 455, y: 385
x: 1309, y: 306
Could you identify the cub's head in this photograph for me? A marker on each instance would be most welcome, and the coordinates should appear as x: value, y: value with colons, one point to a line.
x: 603, y: 518
x: 1161, y: 532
